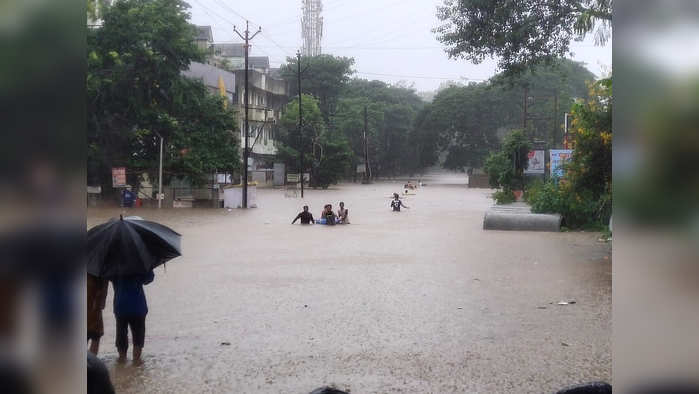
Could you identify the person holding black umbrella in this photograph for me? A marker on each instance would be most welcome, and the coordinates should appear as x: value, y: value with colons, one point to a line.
x: 125, y: 251
x: 130, y: 310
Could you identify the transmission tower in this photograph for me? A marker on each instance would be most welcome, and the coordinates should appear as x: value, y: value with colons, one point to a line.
x: 311, y: 27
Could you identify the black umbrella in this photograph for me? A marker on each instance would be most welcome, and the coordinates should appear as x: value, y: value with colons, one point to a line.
x: 123, y: 247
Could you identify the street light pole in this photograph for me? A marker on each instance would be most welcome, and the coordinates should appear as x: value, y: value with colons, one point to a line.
x: 246, y: 150
x: 160, y: 174
x: 298, y: 66
x: 565, y: 131
x: 367, y: 178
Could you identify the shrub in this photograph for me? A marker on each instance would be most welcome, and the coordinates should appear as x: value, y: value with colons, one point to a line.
x: 504, y: 168
x: 503, y: 196
x: 578, y: 209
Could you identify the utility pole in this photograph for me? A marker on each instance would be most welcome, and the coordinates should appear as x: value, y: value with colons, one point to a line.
x: 526, y: 100
x: 555, y: 118
x: 301, y: 163
x: 246, y: 150
x: 366, y: 148
x: 565, y: 130
x: 160, y: 175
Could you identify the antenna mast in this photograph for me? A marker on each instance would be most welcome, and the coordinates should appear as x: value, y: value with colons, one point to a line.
x: 311, y: 27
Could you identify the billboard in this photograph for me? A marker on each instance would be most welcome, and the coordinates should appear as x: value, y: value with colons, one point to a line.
x: 558, y: 158
x: 536, y: 164
x: 118, y: 176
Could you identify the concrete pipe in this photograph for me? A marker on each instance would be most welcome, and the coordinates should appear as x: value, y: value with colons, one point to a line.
x: 521, y: 221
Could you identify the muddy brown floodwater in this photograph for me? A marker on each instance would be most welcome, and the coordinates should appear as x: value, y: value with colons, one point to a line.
x: 418, y: 301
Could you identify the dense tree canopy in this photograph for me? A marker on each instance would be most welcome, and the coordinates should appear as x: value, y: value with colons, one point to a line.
x: 324, y: 76
x: 520, y: 34
x: 326, y: 153
x: 394, y: 143
x: 470, y: 120
x: 136, y: 92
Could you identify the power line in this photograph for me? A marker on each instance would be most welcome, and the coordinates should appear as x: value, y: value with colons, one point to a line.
x: 241, y: 16
x: 227, y: 7
x: 266, y: 36
x: 374, y: 48
x: 421, y: 76
x: 208, y: 12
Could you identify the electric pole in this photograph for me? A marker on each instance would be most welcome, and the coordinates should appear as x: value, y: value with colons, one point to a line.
x: 526, y: 100
x: 556, y: 126
x: 366, y: 148
x: 246, y: 150
x: 298, y: 74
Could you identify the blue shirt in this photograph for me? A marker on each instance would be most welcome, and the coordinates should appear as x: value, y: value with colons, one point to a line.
x: 129, y: 298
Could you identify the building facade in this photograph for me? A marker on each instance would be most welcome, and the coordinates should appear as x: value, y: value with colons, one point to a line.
x: 268, y: 96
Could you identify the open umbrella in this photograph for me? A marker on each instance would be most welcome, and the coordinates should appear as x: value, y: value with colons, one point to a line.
x: 126, y: 246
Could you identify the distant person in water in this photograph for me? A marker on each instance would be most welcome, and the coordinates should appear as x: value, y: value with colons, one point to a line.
x: 342, y: 214
x: 305, y: 216
x: 327, y: 216
x: 396, y: 203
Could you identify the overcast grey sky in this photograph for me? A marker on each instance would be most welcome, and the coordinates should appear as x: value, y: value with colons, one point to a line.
x: 390, y: 40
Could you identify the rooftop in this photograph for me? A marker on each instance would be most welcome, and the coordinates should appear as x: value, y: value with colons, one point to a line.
x: 258, y: 61
x: 229, y: 50
x: 204, y: 33
x: 209, y: 75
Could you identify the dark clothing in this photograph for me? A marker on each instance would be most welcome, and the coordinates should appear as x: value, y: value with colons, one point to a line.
x: 129, y: 298
x: 306, y: 218
x: 138, y: 332
x: 128, y: 198
x: 98, y: 381
x: 96, y: 297
x: 330, y: 218
x: 396, y: 204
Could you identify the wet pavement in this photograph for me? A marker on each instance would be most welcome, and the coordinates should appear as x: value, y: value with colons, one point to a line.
x: 418, y: 301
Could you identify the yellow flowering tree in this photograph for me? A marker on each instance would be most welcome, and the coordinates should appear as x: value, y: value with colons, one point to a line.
x: 583, y: 196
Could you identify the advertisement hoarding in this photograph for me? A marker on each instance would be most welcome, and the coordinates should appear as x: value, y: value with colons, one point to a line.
x: 558, y: 158
x: 118, y: 176
x: 536, y: 164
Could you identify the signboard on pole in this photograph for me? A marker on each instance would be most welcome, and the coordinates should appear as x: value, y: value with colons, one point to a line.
x: 558, y: 158
x: 118, y: 176
x: 536, y: 164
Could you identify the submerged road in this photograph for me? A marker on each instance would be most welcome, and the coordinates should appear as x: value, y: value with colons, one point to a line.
x: 421, y: 301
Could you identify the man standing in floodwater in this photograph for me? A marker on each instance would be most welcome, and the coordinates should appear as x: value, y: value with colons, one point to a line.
x: 130, y: 310
x: 396, y: 203
x: 305, y: 216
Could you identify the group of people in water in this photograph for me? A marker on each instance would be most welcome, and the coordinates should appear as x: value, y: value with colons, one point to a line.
x: 327, y: 216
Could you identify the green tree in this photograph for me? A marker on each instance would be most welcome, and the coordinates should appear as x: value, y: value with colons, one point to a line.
x: 327, y: 154
x: 584, y: 195
x: 394, y: 143
x: 470, y: 120
x: 505, y: 168
x: 519, y: 33
x: 324, y: 76
x: 135, y: 92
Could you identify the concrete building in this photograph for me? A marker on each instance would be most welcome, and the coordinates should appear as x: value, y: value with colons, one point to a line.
x: 232, y: 54
x: 211, y: 77
x: 267, y: 99
x: 204, y: 38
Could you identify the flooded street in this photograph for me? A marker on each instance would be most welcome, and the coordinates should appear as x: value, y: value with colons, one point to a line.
x: 418, y: 301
